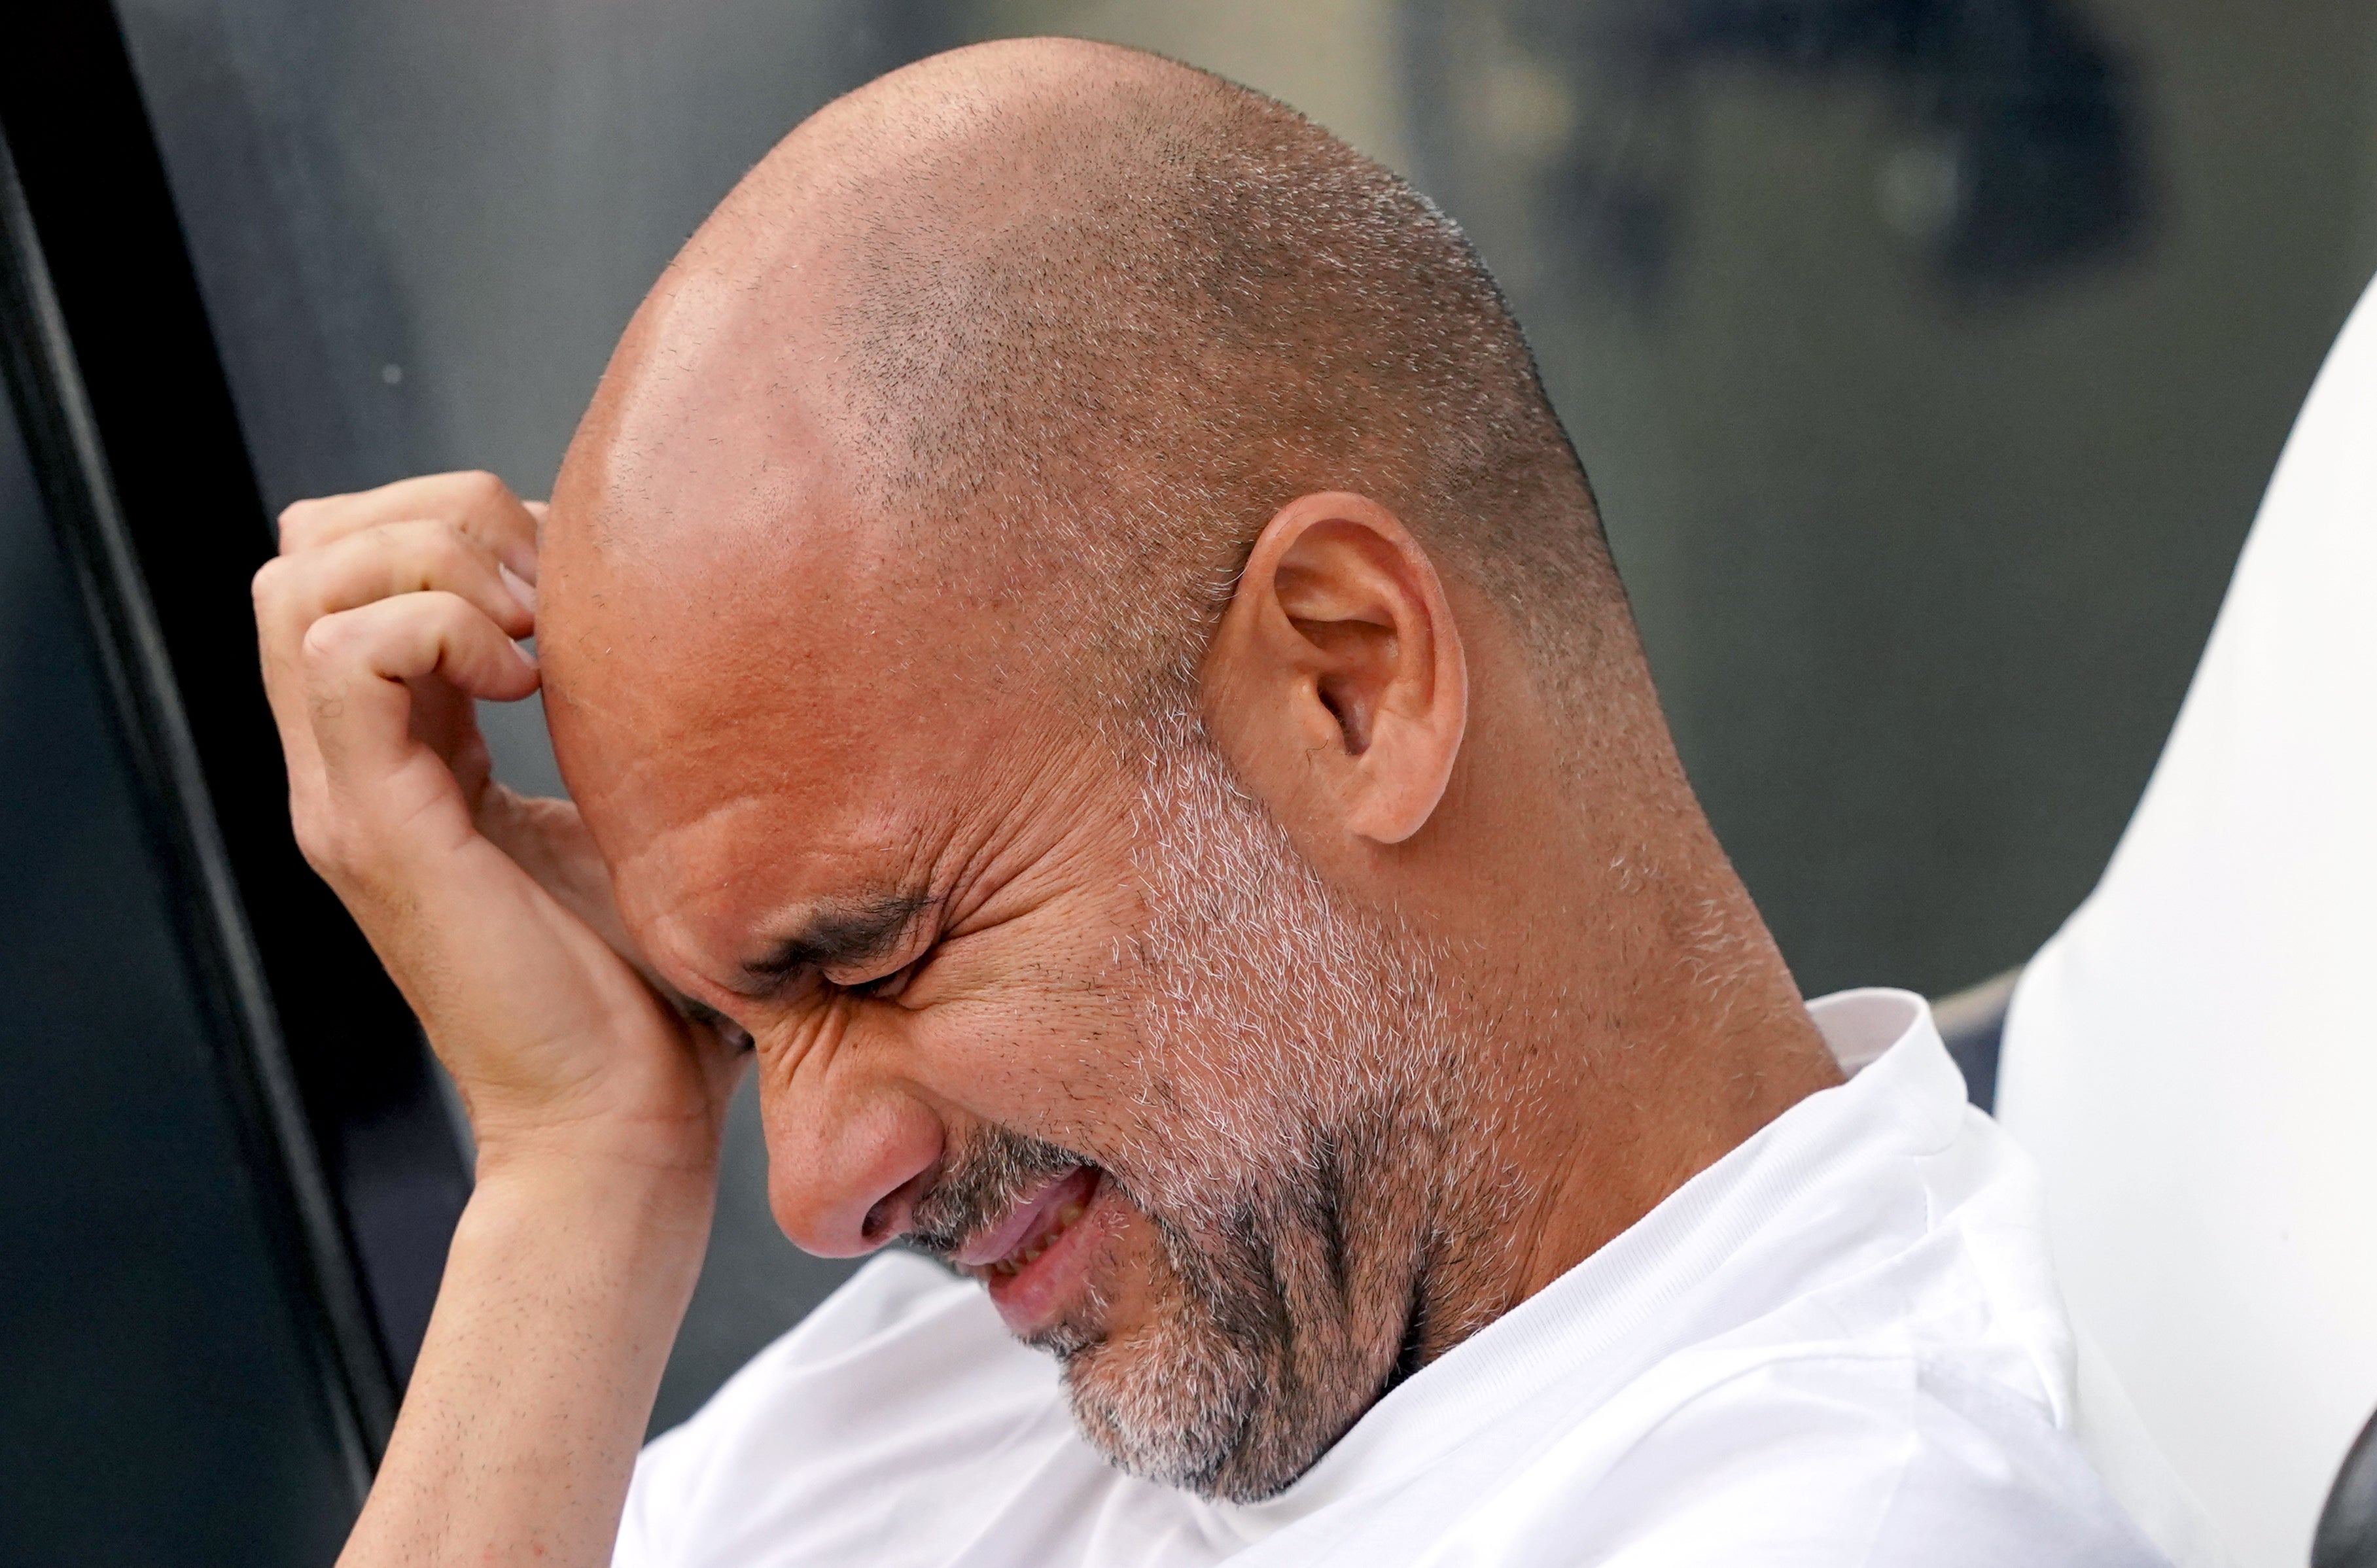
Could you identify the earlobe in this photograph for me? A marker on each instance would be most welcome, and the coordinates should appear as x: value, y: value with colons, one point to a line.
x: 1337, y: 681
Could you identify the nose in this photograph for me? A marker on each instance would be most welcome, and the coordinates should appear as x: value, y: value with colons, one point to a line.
x: 845, y: 1169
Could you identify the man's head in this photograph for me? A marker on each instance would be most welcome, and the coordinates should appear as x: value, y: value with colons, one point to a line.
x: 1076, y: 629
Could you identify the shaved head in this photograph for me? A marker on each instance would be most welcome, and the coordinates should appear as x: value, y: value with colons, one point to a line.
x: 1081, y: 319
x: 993, y: 627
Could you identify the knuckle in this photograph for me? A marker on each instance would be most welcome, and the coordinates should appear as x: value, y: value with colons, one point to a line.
x: 452, y: 614
x: 318, y: 837
x: 416, y: 553
x: 482, y: 487
x: 450, y: 553
x: 330, y: 846
x: 312, y: 843
x: 301, y: 522
x: 326, y: 641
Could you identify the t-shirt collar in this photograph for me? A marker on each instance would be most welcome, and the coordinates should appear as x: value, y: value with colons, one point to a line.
x: 1902, y: 1088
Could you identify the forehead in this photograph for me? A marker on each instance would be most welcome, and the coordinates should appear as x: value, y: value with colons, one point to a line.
x: 758, y: 687
x: 755, y: 719
x: 739, y: 780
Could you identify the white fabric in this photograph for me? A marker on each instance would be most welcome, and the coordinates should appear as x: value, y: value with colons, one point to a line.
x: 2193, y: 1059
x: 1838, y: 1345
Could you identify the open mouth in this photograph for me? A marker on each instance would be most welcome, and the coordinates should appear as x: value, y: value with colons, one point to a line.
x: 1032, y: 1257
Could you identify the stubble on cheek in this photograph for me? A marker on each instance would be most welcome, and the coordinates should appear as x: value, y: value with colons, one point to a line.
x: 1285, y: 1114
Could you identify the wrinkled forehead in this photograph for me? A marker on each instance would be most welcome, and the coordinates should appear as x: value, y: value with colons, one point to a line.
x: 739, y: 633
x: 732, y: 769
x: 753, y: 718
x: 705, y: 567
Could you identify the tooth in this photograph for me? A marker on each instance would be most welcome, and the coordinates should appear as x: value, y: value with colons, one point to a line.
x: 1068, y: 1213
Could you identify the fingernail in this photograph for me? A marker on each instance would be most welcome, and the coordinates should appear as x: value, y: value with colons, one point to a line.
x: 523, y: 589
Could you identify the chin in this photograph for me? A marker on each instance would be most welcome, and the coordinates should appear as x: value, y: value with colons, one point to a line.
x: 1179, y: 1421
x: 1185, y: 1402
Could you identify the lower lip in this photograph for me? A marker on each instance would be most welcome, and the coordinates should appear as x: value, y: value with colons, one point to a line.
x: 1034, y: 1298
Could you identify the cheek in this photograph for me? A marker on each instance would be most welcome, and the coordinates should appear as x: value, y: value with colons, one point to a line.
x: 1229, y: 1084
x: 1040, y: 1052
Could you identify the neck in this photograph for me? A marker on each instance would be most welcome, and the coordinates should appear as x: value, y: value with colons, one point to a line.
x: 1647, y: 1027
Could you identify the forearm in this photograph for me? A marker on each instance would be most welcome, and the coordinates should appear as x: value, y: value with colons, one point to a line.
x: 563, y: 1291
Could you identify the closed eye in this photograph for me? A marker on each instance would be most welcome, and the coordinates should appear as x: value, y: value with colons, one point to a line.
x: 887, y: 987
x: 734, y: 1035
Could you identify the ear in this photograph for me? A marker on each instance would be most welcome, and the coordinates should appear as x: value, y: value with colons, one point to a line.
x: 1336, y: 683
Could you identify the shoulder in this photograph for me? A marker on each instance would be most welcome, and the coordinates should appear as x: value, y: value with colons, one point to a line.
x: 1831, y: 1457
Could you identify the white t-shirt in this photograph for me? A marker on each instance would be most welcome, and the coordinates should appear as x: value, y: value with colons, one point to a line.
x: 1839, y: 1344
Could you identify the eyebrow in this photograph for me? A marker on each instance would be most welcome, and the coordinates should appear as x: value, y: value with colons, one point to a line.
x: 846, y: 933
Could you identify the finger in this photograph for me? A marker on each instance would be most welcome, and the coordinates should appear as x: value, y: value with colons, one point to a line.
x: 294, y: 591
x: 479, y: 504
x: 380, y: 792
x: 380, y: 562
x: 356, y: 663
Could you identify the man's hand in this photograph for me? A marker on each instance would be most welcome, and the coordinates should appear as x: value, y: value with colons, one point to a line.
x: 385, y: 615
x: 596, y: 1105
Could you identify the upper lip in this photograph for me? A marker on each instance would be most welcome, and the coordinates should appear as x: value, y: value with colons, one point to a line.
x: 987, y: 1246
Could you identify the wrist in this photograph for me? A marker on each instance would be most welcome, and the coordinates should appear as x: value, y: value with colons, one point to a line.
x: 639, y: 1225
x: 564, y: 1288
x: 663, y: 1134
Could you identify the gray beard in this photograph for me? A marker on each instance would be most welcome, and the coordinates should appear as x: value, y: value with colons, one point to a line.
x: 1317, y: 1168
x: 1319, y: 1162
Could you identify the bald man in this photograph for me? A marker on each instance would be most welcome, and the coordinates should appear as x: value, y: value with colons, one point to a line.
x: 1083, y: 658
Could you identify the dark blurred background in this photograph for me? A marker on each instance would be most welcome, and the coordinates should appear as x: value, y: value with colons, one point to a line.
x: 1929, y: 357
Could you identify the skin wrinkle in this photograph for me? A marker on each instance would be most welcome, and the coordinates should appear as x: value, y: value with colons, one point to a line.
x: 1272, y: 1280
x: 1251, y: 1211
x: 911, y: 543
x: 857, y: 931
